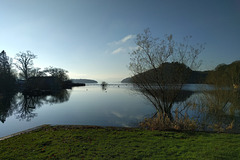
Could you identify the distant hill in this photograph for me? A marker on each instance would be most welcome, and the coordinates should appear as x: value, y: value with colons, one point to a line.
x: 196, y: 77
x: 126, y: 80
x: 83, y: 81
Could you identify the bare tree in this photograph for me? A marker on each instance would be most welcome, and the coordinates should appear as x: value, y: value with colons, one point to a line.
x: 161, y: 67
x: 36, y: 72
x: 59, y: 73
x: 25, y: 63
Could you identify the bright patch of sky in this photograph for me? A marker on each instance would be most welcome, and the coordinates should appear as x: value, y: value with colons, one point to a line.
x: 92, y: 38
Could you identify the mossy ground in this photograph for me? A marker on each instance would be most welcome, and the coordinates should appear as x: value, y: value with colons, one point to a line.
x: 69, y: 142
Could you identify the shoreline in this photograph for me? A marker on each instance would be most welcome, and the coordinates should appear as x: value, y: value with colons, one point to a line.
x: 24, y: 131
x: 101, y: 127
x: 64, y: 126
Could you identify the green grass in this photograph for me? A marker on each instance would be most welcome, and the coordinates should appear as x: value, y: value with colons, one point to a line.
x: 115, y: 143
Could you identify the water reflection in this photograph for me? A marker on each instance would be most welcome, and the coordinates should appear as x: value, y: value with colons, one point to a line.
x: 104, y: 86
x: 117, y: 107
x: 165, y: 101
x: 213, y: 108
x: 220, y: 109
x: 23, y: 105
x: 7, y: 106
x: 58, y: 97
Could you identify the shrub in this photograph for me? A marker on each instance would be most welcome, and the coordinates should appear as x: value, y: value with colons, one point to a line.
x: 162, y: 122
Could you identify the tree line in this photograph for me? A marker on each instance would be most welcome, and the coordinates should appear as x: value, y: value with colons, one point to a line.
x: 23, y: 69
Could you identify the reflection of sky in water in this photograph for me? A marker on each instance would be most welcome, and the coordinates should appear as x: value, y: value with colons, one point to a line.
x: 90, y: 105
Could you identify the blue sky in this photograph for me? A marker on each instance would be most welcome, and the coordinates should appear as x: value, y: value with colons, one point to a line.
x: 92, y: 38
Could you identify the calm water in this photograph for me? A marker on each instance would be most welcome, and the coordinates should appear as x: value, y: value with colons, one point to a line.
x: 89, y: 105
x: 117, y: 105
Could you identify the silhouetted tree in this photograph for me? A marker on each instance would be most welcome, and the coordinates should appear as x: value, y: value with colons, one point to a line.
x: 36, y: 72
x: 7, y: 76
x: 5, y: 62
x: 59, y: 73
x: 161, y: 67
x: 25, y: 63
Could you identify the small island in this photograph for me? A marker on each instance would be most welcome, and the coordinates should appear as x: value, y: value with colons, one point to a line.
x: 83, y: 81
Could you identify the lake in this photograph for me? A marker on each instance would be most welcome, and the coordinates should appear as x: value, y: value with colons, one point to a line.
x: 116, y: 105
x: 89, y: 105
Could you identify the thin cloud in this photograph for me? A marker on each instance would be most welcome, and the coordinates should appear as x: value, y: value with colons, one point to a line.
x: 124, y: 45
x: 118, y: 50
x: 125, y: 39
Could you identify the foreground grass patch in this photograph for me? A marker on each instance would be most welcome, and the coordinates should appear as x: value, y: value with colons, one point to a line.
x: 117, y: 143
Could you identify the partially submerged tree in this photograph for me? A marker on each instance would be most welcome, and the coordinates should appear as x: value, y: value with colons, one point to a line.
x: 161, y: 67
x: 104, y: 85
x: 25, y: 63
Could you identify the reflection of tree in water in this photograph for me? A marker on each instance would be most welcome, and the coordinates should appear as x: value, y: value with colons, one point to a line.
x: 181, y: 97
x: 27, y: 104
x: 58, y: 97
x: 221, y: 107
x: 104, y: 86
x: 7, y: 106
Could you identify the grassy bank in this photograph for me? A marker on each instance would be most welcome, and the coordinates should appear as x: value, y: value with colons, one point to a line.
x: 63, y: 142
